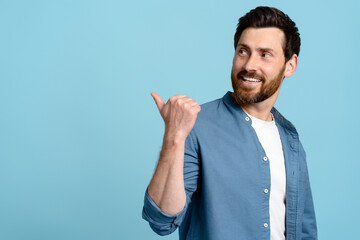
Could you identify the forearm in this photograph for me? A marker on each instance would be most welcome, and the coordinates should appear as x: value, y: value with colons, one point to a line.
x: 166, y: 188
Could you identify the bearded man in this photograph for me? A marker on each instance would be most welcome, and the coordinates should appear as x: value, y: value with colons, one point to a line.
x: 236, y: 170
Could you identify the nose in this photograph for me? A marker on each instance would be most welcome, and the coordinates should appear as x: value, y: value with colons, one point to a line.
x: 251, y: 64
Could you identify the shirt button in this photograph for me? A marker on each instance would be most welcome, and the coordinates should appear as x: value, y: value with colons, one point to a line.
x: 266, y: 190
x: 265, y: 225
x: 265, y: 159
x: 247, y: 119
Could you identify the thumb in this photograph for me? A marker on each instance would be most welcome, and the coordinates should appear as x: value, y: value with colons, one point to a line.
x: 159, y: 102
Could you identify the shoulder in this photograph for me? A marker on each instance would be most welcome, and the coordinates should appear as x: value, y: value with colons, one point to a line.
x: 212, y: 112
x: 283, y: 122
x: 208, y: 118
x: 210, y: 107
x: 291, y: 133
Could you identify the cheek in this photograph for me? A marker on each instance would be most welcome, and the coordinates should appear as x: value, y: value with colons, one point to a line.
x: 270, y: 71
x: 234, y: 62
x: 236, y: 65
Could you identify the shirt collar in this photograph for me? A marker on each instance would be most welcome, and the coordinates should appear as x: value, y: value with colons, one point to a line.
x: 235, y: 109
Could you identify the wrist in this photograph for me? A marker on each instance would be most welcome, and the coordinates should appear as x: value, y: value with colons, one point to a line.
x: 174, y: 138
x: 173, y: 143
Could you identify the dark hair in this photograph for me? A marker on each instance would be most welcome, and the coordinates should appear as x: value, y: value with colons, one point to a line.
x: 262, y: 17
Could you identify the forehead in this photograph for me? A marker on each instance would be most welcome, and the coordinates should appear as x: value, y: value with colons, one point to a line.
x: 270, y: 37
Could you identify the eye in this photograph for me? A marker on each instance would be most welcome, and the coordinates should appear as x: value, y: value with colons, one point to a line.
x: 266, y: 55
x: 242, y: 52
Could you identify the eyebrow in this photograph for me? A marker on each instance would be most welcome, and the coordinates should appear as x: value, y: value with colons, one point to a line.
x: 258, y: 49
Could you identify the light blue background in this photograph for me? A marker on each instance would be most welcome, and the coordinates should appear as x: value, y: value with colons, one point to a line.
x: 80, y: 134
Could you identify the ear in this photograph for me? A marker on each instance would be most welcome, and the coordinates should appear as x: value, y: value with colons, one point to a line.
x: 291, y: 66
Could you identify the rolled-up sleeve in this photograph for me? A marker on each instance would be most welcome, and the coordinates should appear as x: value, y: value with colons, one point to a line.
x: 160, y: 222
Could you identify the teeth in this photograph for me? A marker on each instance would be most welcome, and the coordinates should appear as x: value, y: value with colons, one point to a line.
x: 251, y: 79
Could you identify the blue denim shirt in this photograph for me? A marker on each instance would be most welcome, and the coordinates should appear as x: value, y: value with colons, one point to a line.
x: 226, y: 171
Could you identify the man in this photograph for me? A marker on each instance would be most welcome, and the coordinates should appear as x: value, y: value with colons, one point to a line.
x: 236, y: 170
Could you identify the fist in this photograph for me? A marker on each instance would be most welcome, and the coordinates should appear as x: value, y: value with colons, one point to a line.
x: 179, y: 114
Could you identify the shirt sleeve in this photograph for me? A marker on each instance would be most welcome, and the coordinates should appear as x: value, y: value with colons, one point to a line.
x: 309, y: 227
x: 160, y: 222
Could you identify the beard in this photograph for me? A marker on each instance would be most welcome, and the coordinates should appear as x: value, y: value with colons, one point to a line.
x: 247, y: 94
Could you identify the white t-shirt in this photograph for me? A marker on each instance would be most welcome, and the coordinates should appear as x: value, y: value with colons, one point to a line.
x: 269, y: 138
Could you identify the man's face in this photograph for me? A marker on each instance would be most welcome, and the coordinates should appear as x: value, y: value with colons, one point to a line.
x: 258, y: 65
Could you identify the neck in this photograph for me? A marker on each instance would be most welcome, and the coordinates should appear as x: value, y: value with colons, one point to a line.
x: 259, y: 110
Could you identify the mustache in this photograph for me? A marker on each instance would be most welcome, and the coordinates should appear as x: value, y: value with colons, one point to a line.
x: 248, y: 74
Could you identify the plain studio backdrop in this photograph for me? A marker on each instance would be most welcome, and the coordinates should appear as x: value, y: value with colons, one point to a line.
x: 80, y: 134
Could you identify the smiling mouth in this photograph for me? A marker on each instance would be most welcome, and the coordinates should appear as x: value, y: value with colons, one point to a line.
x: 250, y: 80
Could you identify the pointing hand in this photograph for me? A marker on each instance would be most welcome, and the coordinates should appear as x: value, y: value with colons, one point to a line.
x: 179, y: 114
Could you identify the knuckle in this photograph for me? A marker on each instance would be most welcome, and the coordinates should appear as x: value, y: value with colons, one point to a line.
x: 179, y: 102
x: 172, y: 99
x: 194, y: 110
